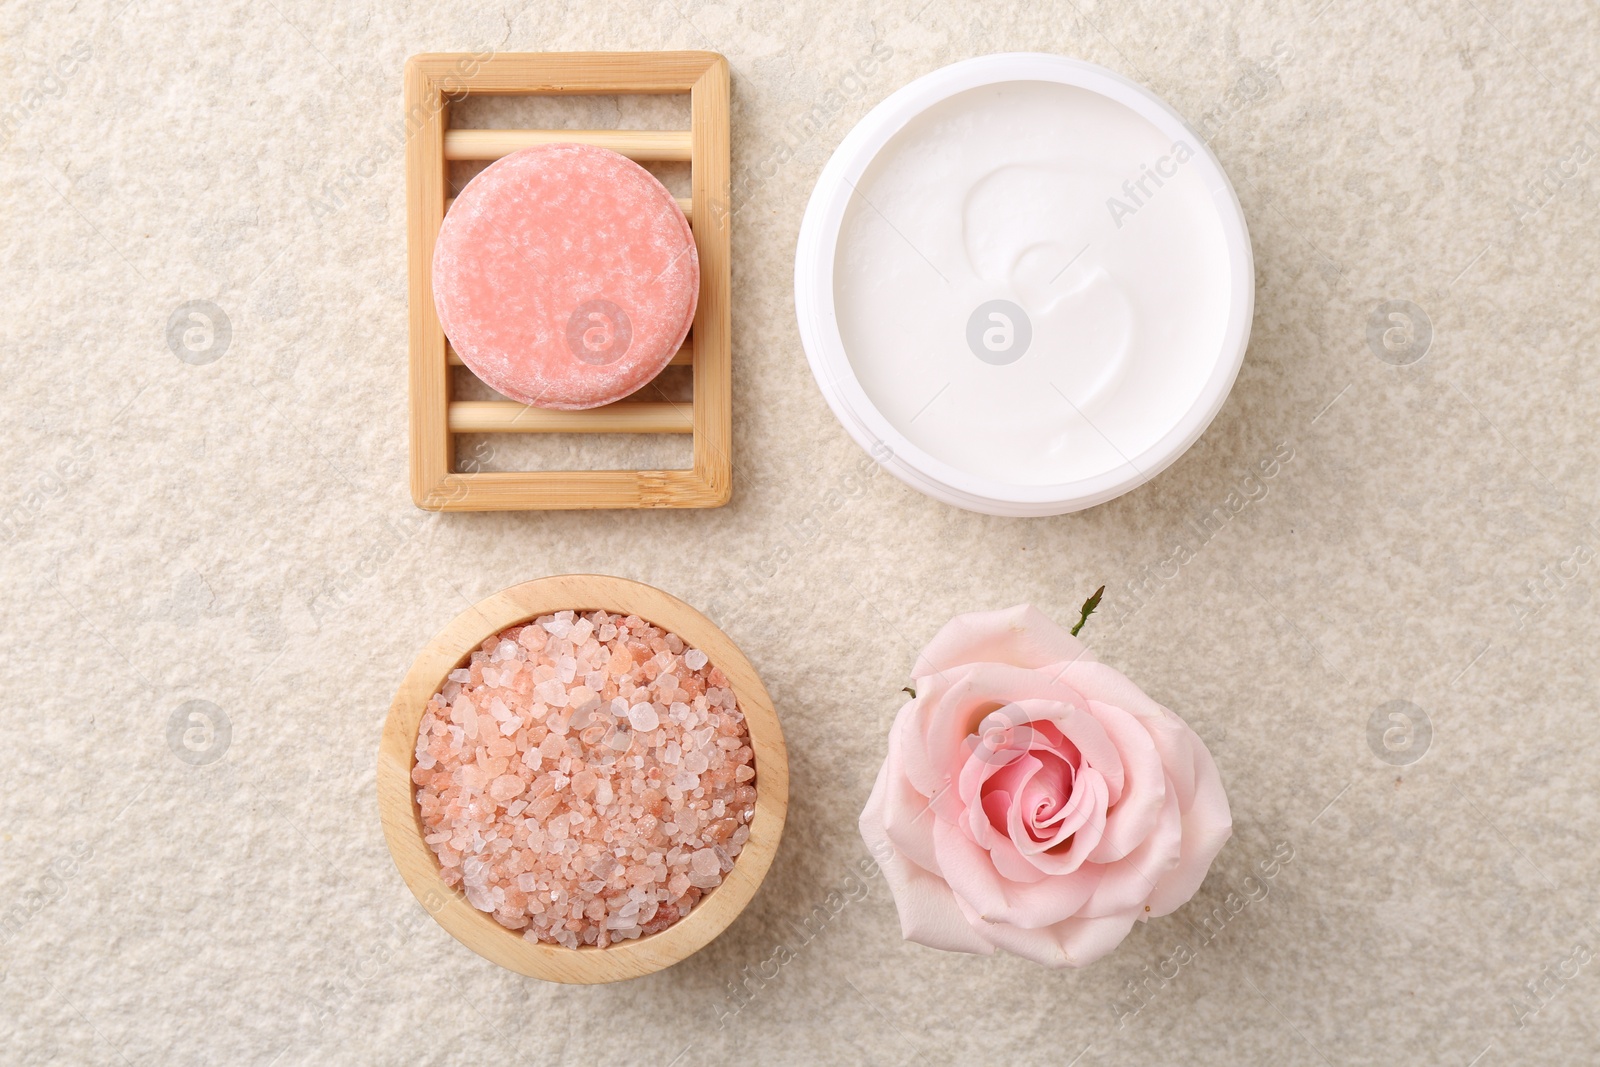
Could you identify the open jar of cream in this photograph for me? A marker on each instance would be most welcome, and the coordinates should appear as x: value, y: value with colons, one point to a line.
x: 1024, y: 284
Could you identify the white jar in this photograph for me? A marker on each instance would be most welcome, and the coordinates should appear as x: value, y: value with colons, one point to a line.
x: 1024, y: 284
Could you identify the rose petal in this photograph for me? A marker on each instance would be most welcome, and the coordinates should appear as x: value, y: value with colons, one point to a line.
x: 1083, y: 731
x: 907, y: 817
x: 974, y: 822
x: 1009, y: 845
x: 932, y: 731
x: 996, y: 804
x: 1069, y: 943
x: 973, y: 877
x: 1207, y: 825
x: 1012, y: 865
x: 937, y: 701
x: 1020, y: 765
x: 928, y: 911
x: 984, y: 819
x: 1044, y: 798
x: 1087, y: 825
x: 1111, y: 687
x: 1128, y: 882
x: 1132, y: 815
x: 1050, y: 807
x: 987, y: 767
x: 1021, y: 636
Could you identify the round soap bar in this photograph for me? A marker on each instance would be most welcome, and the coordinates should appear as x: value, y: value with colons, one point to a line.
x: 565, y: 276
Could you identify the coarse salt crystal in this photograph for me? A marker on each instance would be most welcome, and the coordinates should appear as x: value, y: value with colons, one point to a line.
x: 506, y: 787
x: 642, y: 716
x: 528, y: 806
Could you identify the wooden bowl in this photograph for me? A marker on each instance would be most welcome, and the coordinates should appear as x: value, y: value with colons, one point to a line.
x: 402, y: 823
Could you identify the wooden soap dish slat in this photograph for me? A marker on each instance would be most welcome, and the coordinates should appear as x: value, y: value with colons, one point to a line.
x: 625, y: 416
x: 641, y: 146
x: 683, y: 357
x: 685, y: 204
x: 432, y: 82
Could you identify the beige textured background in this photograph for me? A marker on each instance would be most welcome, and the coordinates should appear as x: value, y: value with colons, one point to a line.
x: 239, y: 533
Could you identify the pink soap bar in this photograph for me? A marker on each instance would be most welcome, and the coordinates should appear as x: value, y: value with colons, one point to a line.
x: 565, y: 276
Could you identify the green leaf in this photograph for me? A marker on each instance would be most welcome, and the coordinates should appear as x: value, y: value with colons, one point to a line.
x: 1088, y: 609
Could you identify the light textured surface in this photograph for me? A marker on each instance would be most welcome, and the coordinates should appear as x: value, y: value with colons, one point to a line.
x: 235, y: 529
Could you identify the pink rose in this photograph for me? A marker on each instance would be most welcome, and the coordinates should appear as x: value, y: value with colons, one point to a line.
x: 1035, y: 800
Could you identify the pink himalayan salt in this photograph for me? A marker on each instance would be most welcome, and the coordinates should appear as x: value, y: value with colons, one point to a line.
x: 585, y: 778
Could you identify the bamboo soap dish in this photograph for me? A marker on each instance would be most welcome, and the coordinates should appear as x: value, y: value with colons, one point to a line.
x: 432, y: 81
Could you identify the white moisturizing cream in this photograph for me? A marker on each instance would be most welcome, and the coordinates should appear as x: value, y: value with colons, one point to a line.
x: 1025, y: 284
